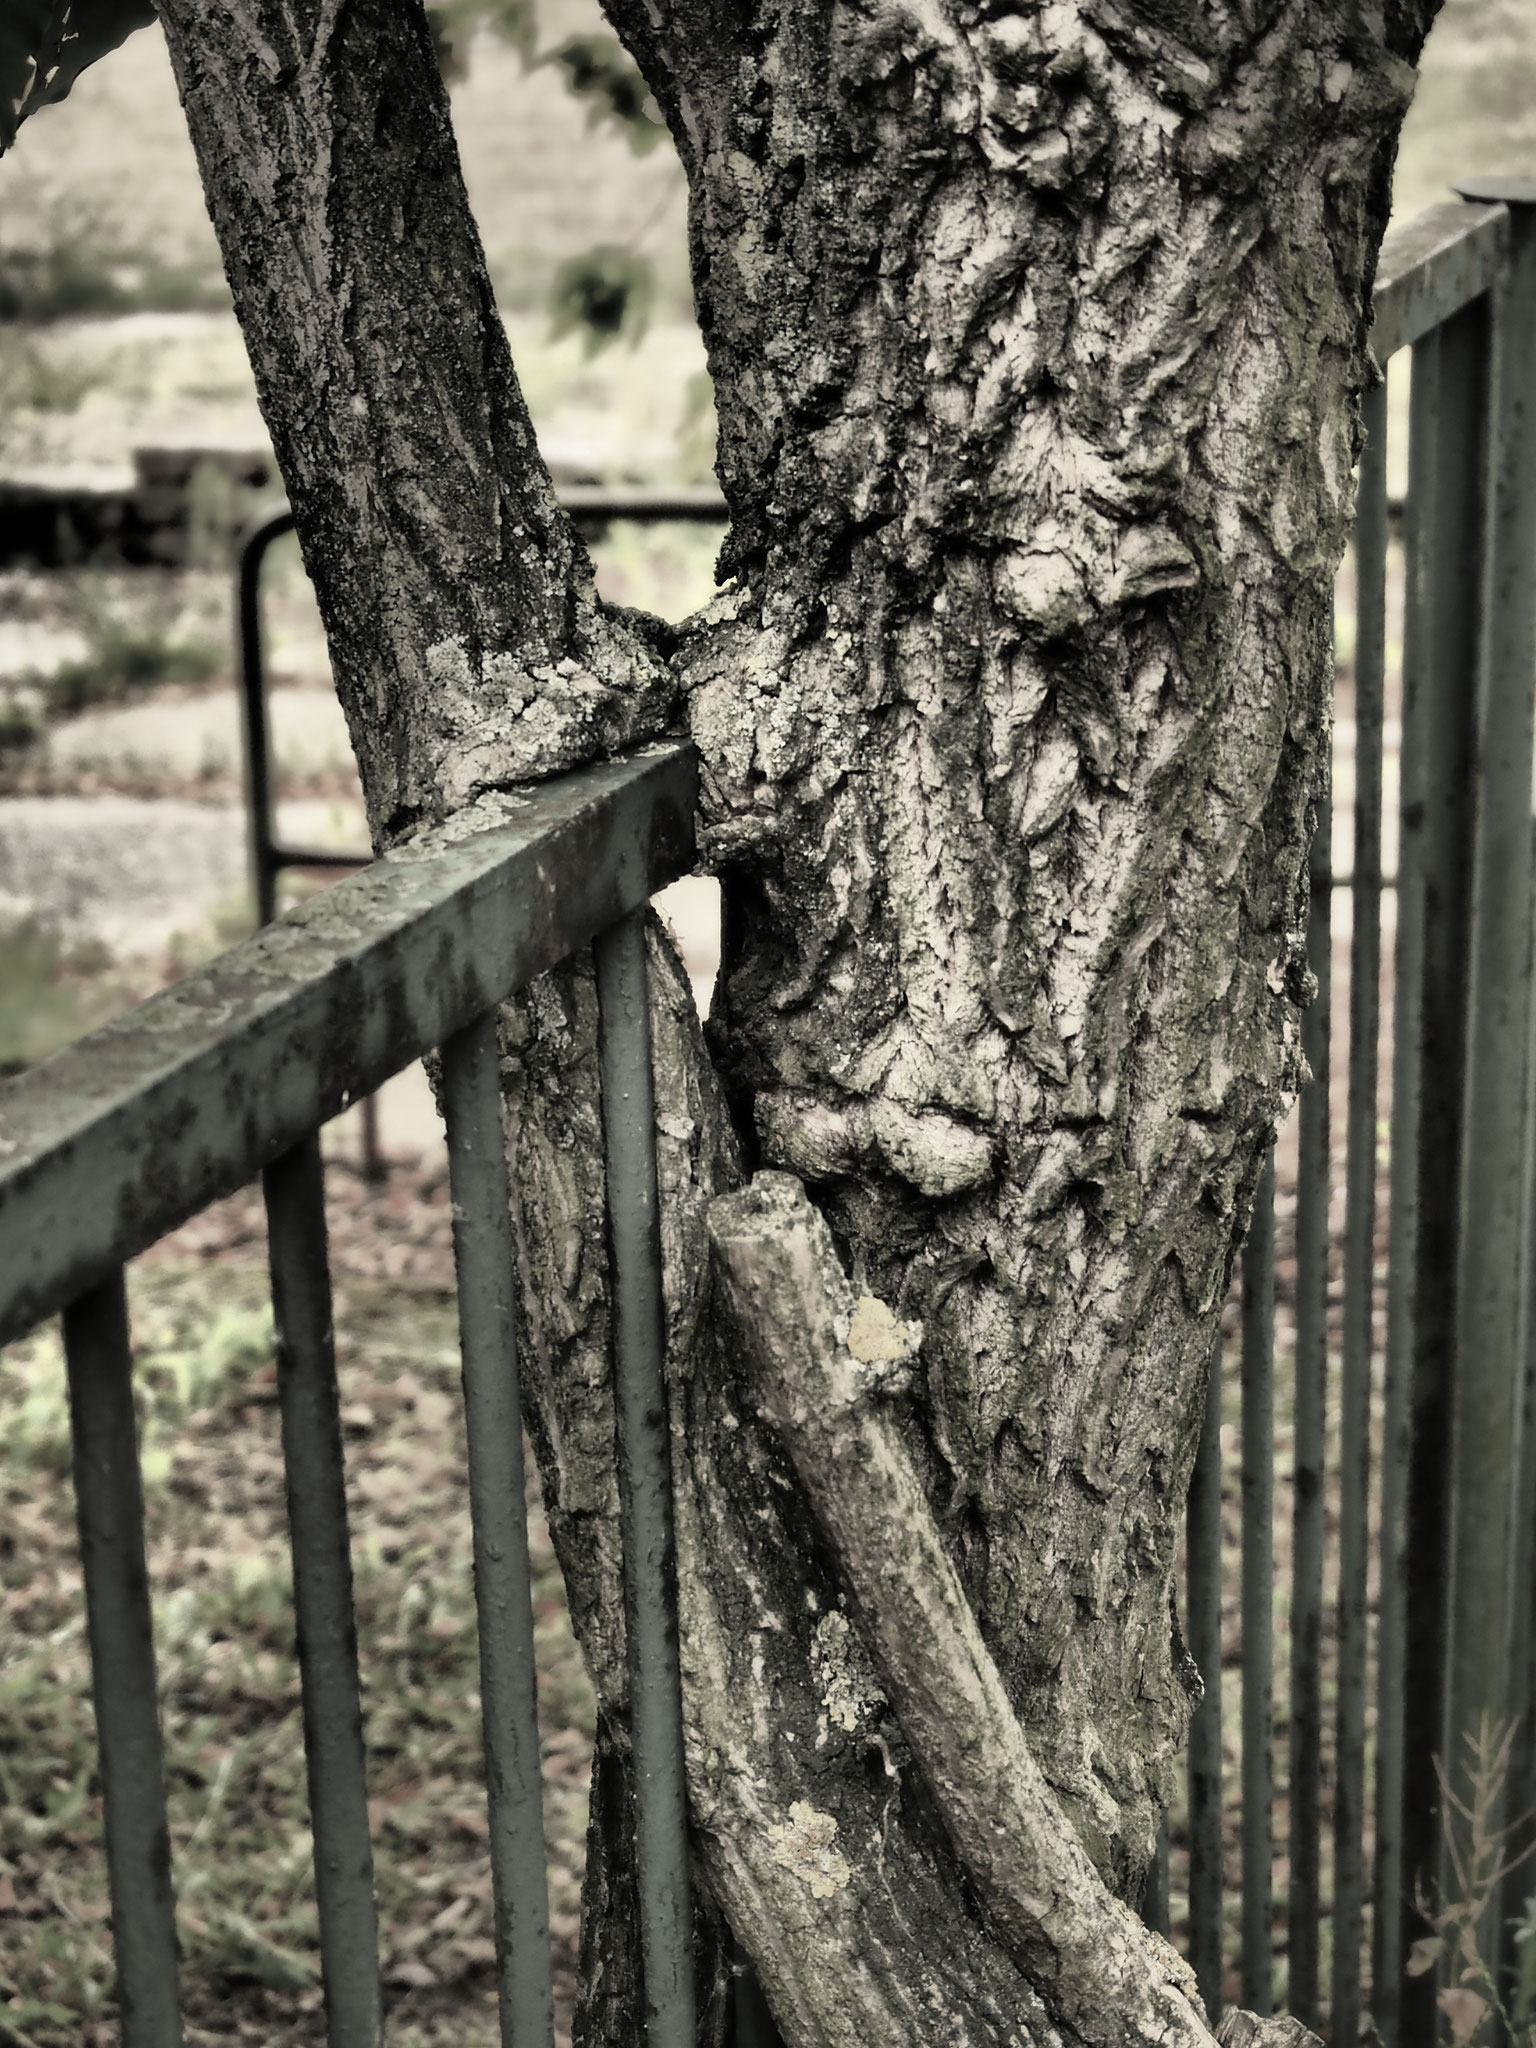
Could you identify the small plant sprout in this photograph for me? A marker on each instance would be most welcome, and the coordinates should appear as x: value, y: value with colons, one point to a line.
x: 1475, y: 1848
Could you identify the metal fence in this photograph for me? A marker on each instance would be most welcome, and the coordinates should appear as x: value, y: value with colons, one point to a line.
x: 233, y: 1070
x: 1445, y: 1546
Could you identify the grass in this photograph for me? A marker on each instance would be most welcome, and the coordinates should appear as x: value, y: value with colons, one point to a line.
x: 131, y: 647
x: 127, y: 658
x: 38, y: 1008
x: 229, y: 1683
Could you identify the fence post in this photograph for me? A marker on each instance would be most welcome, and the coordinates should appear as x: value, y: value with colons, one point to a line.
x: 109, y: 1500
x: 1488, y: 1643
x: 1258, y: 1594
x: 645, y: 1483
x: 1440, y: 656
x: 1203, y: 1602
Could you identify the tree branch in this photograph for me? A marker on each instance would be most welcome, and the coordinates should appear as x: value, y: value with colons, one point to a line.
x: 469, y: 646
x: 824, y: 1367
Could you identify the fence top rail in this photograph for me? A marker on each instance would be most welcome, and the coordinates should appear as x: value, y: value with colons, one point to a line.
x: 699, y: 503
x: 1429, y: 269
x: 125, y: 1134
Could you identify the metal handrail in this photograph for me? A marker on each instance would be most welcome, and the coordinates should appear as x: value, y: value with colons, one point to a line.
x: 123, y: 1135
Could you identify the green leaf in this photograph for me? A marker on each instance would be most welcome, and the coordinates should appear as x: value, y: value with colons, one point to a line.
x: 596, y: 68
x: 46, y: 44
x: 603, y: 294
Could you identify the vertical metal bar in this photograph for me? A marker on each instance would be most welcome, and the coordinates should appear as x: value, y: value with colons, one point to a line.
x: 1407, y: 2004
x: 374, y: 1167
x: 1360, y: 1191
x: 294, y: 1186
x: 1358, y: 1299
x: 1202, y: 1599
x: 1521, y: 1801
x: 1312, y: 1186
x: 483, y: 1255
x: 109, y: 1504
x: 1484, y: 1636
x: 629, y: 1131
x: 253, y: 706
x: 1359, y: 1237
x: 1439, y: 663
x: 1258, y: 1556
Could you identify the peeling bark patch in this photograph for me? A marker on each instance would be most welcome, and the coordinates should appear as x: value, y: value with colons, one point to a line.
x: 803, y: 1844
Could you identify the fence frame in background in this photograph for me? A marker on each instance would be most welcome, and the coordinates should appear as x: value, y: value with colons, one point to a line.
x: 592, y: 506
x: 126, y: 1133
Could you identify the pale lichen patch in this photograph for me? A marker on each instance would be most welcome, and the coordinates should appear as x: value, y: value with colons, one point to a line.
x: 849, y: 1689
x: 876, y: 1337
x: 803, y: 1844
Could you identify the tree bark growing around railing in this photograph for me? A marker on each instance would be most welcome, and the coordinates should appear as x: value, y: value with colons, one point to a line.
x: 1037, y: 338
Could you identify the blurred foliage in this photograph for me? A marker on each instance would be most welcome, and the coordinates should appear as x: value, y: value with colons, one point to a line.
x: 57, y: 281
x: 66, y: 259
x: 20, y: 721
x: 38, y: 1007
x: 455, y: 23
x: 70, y: 280
x: 598, y: 69
x: 125, y: 657
x: 33, y: 381
x: 126, y: 652
x: 46, y: 44
x: 603, y: 294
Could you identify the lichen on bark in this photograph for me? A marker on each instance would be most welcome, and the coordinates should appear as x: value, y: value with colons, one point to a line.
x: 1036, y: 336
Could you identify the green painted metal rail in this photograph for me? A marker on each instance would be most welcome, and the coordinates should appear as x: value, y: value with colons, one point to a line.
x: 122, y: 1136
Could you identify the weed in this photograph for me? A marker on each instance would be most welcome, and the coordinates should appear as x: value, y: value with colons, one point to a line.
x: 1475, y: 1847
x: 125, y: 655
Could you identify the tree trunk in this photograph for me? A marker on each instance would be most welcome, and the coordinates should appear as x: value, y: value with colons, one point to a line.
x: 1036, y: 339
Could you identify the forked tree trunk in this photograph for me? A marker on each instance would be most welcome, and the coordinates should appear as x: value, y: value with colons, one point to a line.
x: 1036, y: 338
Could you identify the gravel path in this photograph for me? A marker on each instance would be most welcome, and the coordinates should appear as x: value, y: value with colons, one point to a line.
x: 124, y: 871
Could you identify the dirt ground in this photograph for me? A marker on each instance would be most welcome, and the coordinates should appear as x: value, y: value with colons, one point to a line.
x: 228, y: 1678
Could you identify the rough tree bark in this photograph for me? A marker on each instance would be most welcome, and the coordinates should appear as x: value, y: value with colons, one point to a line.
x: 1036, y: 336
